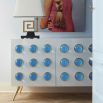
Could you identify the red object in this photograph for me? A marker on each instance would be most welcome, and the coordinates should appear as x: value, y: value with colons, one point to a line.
x: 67, y: 12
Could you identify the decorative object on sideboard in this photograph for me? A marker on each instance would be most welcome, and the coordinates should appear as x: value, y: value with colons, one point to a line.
x: 28, y: 8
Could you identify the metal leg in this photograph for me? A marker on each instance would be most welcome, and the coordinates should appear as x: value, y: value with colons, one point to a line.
x: 21, y: 89
x: 16, y: 93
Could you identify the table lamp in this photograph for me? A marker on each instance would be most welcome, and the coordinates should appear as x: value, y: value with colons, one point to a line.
x: 29, y: 8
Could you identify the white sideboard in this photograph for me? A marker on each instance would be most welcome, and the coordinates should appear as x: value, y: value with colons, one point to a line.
x: 51, y: 62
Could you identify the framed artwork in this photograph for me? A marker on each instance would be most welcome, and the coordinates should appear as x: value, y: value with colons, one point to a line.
x: 63, y: 16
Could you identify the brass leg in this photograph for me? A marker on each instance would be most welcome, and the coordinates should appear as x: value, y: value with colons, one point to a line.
x: 21, y: 89
x: 16, y: 93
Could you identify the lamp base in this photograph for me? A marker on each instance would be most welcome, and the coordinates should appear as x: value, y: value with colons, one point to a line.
x: 30, y: 35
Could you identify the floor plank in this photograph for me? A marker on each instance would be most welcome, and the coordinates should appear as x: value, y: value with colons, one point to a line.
x: 46, y: 98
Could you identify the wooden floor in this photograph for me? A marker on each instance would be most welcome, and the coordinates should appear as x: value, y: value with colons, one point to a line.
x: 46, y: 98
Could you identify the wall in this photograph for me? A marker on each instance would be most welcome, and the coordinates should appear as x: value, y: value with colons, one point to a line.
x: 7, y: 32
x: 10, y: 28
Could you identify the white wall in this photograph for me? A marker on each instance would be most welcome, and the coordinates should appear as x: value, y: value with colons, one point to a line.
x: 11, y: 28
x: 7, y: 32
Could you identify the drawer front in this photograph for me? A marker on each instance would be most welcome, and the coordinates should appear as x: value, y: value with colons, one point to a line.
x: 40, y: 73
x: 68, y: 75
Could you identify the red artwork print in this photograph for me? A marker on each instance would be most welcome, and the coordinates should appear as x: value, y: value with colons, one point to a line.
x: 58, y: 16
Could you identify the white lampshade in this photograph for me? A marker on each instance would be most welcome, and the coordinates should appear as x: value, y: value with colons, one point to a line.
x: 28, y: 8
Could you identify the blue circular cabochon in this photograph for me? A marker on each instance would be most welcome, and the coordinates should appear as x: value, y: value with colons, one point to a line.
x: 79, y: 76
x: 64, y: 62
x: 64, y: 48
x: 78, y: 48
x: 47, y: 62
x: 33, y: 62
x: 47, y: 48
x: 19, y: 49
x: 90, y: 76
x: 90, y: 62
x: 64, y: 76
x: 19, y: 76
x: 47, y: 76
x: 90, y: 48
x: 33, y: 48
x: 79, y: 62
x: 33, y: 76
x: 19, y: 62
